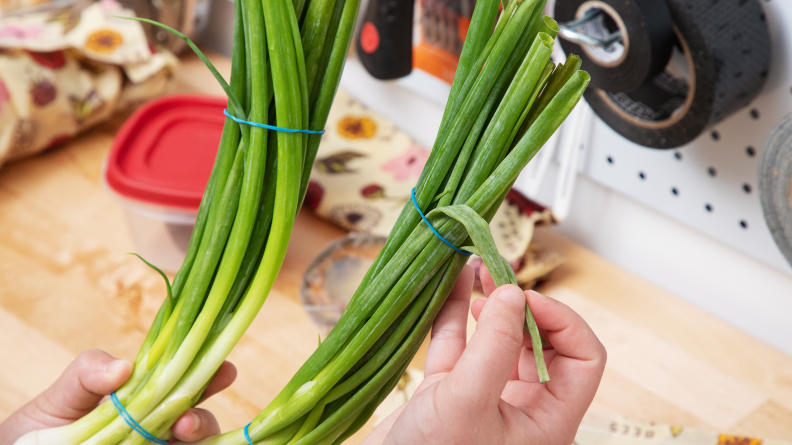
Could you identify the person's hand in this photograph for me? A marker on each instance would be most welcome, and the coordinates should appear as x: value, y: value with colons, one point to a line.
x: 85, y: 382
x: 488, y: 391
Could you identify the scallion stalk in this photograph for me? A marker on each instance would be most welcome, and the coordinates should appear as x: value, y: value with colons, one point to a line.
x: 246, y: 215
x: 506, y: 102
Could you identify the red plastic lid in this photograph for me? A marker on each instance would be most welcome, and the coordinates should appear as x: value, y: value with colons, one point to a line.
x: 164, y: 152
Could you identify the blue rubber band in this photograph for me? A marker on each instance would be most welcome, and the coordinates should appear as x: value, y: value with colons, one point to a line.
x: 247, y: 435
x: 131, y: 422
x: 415, y: 203
x: 268, y: 127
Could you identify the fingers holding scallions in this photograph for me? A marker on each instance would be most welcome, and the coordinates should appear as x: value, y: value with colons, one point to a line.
x: 224, y: 377
x: 194, y: 425
x: 449, y: 332
x: 244, y: 221
x: 489, y: 359
x: 501, y: 86
x: 91, y: 376
x: 508, y: 98
x: 487, y: 283
x: 580, y: 361
x: 526, y: 366
x: 566, y: 330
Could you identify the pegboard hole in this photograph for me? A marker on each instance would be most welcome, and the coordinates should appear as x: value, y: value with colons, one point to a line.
x: 674, y: 191
x: 715, y: 136
x: 642, y: 175
x: 744, y: 224
x: 750, y: 151
x: 746, y: 188
x: 754, y: 113
x: 678, y: 156
x: 609, y: 159
x: 708, y: 207
x: 712, y: 172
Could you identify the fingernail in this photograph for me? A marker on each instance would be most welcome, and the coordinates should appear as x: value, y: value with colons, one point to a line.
x: 484, y: 299
x: 196, y: 423
x: 538, y: 295
x: 119, y: 366
x: 513, y: 295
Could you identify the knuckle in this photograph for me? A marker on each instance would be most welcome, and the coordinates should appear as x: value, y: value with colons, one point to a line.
x: 446, y: 334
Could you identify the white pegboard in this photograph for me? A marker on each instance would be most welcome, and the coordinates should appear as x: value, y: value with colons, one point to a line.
x: 711, y: 183
x: 696, y: 188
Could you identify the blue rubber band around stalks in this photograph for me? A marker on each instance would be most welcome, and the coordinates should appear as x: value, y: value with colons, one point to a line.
x: 415, y: 203
x: 268, y: 127
x: 131, y: 422
x: 247, y: 435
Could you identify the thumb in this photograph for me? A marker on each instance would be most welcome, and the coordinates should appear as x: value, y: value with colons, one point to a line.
x: 487, y: 363
x: 91, y: 376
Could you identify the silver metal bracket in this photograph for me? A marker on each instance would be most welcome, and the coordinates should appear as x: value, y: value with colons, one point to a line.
x: 568, y: 30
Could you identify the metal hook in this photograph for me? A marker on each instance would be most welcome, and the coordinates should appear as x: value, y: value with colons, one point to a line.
x: 568, y: 30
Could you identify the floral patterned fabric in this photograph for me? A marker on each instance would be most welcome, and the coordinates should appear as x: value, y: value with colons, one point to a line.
x: 600, y: 429
x: 12, y: 5
x: 364, y: 172
x: 65, y: 70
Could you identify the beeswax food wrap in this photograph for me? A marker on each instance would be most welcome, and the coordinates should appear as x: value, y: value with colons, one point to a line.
x: 65, y: 70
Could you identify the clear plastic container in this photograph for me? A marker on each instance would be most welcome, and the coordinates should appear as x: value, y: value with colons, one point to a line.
x: 160, y: 234
x: 157, y: 170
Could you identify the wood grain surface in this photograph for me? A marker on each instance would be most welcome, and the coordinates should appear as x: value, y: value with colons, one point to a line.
x: 67, y: 285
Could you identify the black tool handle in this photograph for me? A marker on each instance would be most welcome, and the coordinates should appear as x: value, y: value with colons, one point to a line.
x: 384, y: 44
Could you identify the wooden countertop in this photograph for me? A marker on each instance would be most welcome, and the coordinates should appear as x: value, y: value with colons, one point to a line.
x: 67, y: 285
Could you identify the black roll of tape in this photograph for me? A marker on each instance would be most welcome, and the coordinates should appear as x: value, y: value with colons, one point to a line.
x: 775, y: 185
x: 721, y: 64
x: 647, y: 40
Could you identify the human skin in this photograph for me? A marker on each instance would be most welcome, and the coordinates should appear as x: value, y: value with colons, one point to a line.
x: 91, y: 377
x: 487, y: 391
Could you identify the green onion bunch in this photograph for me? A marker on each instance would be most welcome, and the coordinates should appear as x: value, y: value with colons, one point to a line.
x: 507, y: 99
x: 287, y: 62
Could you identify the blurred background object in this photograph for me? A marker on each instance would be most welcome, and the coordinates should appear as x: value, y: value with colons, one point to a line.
x: 188, y: 16
x: 389, y: 46
x: 333, y: 276
x: 622, y: 43
x: 444, y: 25
x: 20, y: 7
x: 384, y: 43
x: 608, y: 429
x: 775, y: 185
x: 66, y: 69
x: 679, y: 68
